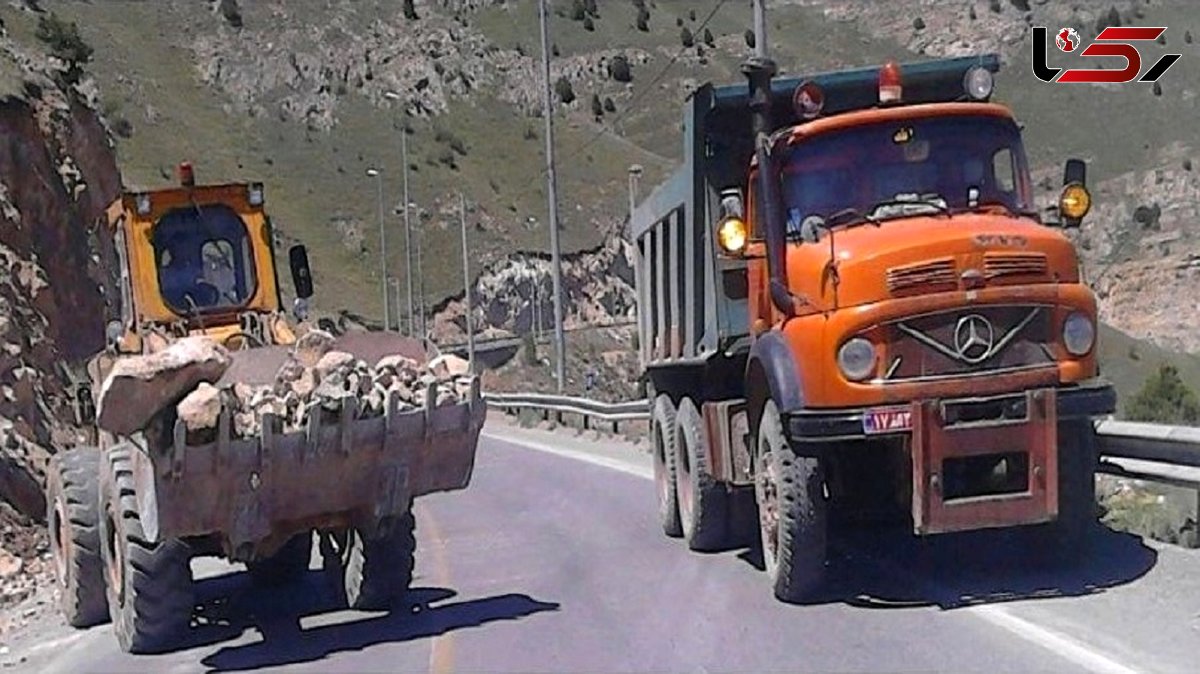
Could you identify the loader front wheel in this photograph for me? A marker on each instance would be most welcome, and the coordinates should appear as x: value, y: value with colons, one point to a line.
x: 375, y: 570
x: 150, y: 594
x: 72, y: 512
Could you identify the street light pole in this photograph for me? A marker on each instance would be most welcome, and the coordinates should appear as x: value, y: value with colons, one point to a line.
x: 462, y: 211
x: 377, y: 174
x: 408, y: 256
x: 560, y: 348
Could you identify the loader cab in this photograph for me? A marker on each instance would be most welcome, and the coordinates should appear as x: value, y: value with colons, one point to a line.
x: 195, y: 259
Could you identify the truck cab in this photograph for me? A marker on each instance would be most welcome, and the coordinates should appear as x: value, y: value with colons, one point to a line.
x: 849, y: 301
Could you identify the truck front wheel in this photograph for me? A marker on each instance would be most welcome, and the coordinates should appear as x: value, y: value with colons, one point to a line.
x: 72, y: 508
x: 663, y: 432
x: 790, y: 492
x: 150, y: 595
x: 375, y: 570
x: 702, y: 500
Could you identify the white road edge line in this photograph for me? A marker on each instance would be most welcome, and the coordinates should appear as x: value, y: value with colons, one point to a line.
x: 1060, y: 644
x: 611, y: 463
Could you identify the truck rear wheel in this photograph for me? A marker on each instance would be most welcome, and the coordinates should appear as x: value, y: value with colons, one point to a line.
x: 72, y: 513
x: 150, y: 595
x: 702, y: 500
x: 663, y: 432
x: 790, y: 492
x: 287, y: 564
x: 1066, y: 539
x: 375, y: 571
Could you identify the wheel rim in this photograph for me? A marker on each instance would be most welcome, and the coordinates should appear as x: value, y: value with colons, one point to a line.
x: 116, y: 552
x: 683, y: 472
x: 660, y: 471
x: 59, y: 537
x: 767, y: 485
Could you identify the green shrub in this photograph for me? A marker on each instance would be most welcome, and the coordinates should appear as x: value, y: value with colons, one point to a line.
x: 564, y: 90
x: 1165, y: 399
x: 65, y: 44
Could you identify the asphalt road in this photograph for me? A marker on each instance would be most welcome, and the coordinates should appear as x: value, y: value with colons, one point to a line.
x: 552, y: 561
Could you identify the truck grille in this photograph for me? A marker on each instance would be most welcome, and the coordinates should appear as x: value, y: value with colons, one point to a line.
x: 969, y: 341
x: 996, y: 265
x: 922, y: 276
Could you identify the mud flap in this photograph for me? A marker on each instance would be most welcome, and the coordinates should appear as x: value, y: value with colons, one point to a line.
x: 944, y: 448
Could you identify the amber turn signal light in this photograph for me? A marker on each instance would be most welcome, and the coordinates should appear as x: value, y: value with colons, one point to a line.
x: 732, y: 235
x: 1075, y: 201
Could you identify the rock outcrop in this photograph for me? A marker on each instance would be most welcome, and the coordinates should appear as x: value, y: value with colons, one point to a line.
x: 57, y: 174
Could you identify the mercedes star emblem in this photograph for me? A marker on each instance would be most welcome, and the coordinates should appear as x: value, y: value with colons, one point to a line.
x: 974, y: 338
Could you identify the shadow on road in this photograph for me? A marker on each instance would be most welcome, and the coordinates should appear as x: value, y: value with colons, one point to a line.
x: 890, y: 568
x: 229, y: 605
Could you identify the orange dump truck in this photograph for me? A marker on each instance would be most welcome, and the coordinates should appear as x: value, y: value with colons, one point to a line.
x: 849, y: 304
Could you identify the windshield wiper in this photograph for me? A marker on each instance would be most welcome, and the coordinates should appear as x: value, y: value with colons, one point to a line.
x: 930, y: 200
x: 852, y: 216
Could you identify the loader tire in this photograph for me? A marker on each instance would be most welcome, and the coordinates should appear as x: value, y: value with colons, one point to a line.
x: 150, y: 594
x: 793, y: 519
x: 72, y: 507
x: 378, y: 569
x: 703, y: 510
x: 665, y: 480
x: 286, y: 565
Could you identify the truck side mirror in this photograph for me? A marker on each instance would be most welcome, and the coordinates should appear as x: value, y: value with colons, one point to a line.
x: 1075, y: 201
x: 301, y: 276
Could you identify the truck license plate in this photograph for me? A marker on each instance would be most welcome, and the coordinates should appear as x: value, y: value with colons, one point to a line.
x: 887, y: 420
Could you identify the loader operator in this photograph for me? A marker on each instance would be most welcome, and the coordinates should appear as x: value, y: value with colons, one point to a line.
x: 204, y: 259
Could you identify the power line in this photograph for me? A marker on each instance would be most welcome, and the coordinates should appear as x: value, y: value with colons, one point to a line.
x: 637, y: 98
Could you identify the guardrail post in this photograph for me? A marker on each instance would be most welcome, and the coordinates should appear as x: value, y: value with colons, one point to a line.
x: 615, y: 427
x: 586, y: 419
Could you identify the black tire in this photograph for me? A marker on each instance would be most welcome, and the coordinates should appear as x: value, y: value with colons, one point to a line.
x: 663, y: 432
x: 1066, y: 540
x: 793, y: 519
x: 702, y: 500
x: 286, y: 565
x: 150, y: 593
x: 375, y: 572
x: 73, y: 518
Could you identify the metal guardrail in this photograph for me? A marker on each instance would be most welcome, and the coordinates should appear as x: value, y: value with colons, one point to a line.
x: 1153, y: 452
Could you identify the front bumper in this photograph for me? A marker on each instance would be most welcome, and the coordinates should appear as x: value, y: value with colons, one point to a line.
x: 1089, y: 399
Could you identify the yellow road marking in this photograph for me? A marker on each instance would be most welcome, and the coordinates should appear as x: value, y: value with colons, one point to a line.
x: 441, y: 651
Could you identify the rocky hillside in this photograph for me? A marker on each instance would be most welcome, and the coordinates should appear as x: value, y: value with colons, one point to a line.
x: 57, y: 174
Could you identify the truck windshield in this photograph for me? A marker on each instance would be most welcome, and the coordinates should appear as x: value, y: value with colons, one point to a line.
x: 204, y: 258
x: 907, y: 167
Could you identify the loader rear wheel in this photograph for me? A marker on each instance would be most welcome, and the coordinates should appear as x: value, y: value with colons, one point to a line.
x: 286, y: 565
x: 150, y: 594
x: 665, y: 481
x: 375, y: 571
x: 702, y: 500
x: 72, y: 507
x: 790, y: 492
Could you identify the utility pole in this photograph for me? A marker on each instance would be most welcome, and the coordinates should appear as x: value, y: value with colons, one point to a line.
x: 462, y: 209
x: 760, y: 29
x: 420, y: 286
x: 635, y: 172
x: 377, y: 174
x: 407, y: 230
x: 560, y: 347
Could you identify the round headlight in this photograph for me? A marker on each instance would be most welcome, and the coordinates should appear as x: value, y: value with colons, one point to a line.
x: 1079, y: 334
x: 1075, y: 201
x: 731, y: 234
x: 856, y: 359
x: 978, y: 83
